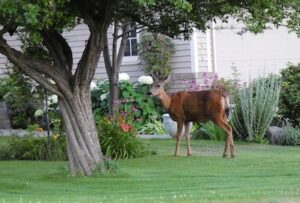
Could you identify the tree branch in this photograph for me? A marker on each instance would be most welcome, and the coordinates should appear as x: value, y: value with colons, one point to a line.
x: 106, y: 54
x: 125, y: 29
x: 33, y: 68
x: 88, y: 62
x: 97, y: 25
x: 60, y: 50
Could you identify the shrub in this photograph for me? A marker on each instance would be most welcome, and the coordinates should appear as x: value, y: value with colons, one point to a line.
x: 256, y: 107
x: 22, y: 99
x: 290, y: 136
x: 153, y: 126
x: 210, y: 131
x: 156, y: 51
x: 35, y: 148
x: 289, y: 102
x: 133, y: 99
x: 118, y: 138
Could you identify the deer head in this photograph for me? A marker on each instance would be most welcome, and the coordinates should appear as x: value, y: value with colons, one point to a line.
x: 158, y: 86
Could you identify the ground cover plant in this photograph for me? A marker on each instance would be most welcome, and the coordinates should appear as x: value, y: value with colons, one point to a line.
x: 260, y: 173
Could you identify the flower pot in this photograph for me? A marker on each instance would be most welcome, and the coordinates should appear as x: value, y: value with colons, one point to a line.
x: 171, y: 126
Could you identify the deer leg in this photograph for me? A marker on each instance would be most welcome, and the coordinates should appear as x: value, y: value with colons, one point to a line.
x: 187, y: 137
x: 229, y: 141
x: 232, y: 146
x: 229, y: 138
x: 178, y: 136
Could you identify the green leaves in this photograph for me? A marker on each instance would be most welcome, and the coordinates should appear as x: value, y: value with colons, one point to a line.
x: 256, y: 106
x: 289, y: 105
x: 156, y: 51
x: 34, y: 16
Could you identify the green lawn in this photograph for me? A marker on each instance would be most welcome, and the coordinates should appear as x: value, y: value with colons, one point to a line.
x: 260, y: 173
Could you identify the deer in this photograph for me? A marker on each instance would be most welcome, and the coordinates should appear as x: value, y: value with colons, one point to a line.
x: 195, y: 106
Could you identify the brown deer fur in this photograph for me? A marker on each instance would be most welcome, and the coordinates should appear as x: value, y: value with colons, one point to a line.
x: 198, y: 106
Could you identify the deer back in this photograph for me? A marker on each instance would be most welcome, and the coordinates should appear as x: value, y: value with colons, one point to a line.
x: 196, y: 106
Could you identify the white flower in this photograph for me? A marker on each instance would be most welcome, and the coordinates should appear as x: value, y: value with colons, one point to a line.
x: 38, y: 113
x: 145, y: 80
x: 103, y: 96
x: 53, y: 99
x: 123, y: 77
x: 93, y: 85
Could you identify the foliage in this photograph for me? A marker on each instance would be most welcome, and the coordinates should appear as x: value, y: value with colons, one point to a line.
x: 4, y: 88
x: 118, y: 138
x: 289, y: 102
x: 209, y: 131
x: 156, y: 51
x: 255, y: 107
x: 133, y: 99
x: 23, y: 97
x: 290, y: 136
x: 153, y: 126
x: 35, y: 148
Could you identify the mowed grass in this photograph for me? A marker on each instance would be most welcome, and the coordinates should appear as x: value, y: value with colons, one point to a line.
x: 260, y: 173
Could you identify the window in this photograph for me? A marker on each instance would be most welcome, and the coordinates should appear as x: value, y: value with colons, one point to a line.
x: 131, y: 45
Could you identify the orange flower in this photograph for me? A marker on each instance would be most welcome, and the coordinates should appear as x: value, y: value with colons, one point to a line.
x: 125, y: 127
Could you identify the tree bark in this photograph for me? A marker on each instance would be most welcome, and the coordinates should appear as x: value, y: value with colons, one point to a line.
x: 113, y: 61
x: 84, y: 151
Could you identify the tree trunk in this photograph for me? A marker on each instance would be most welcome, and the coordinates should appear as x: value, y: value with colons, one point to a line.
x: 113, y: 92
x: 83, y: 148
x: 113, y: 61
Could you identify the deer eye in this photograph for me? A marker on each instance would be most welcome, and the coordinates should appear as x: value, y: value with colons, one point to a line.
x: 158, y: 85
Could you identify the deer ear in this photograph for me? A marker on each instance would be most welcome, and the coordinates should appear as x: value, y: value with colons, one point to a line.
x: 168, y: 79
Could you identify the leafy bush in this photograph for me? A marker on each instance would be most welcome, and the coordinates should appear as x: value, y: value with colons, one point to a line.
x: 156, y: 51
x: 22, y: 98
x: 153, y: 126
x: 290, y: 136
x: 118, y: 138
x: 133, y: 99
x: 289, y: 102
x: 210, y: 131
x: 255, y: 107
x: 35, y: 148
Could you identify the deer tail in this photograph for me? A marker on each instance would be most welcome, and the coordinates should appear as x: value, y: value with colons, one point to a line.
x: 227, y: 105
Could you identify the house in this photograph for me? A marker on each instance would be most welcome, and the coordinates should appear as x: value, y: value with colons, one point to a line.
x: 214, y: 51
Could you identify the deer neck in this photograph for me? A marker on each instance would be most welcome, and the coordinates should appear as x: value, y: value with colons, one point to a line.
x: 165, y: 100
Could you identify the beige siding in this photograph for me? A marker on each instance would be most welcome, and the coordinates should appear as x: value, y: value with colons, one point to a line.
x: 12, y: 41
x: 202, y: 51
x: 181, y: 60
x: 77, y: 38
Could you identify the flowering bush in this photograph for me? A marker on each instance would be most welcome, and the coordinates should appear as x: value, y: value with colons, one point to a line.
x: 123, y: 77
x: 147, y: 80
x: 133, y: 100
x: 118, y: 138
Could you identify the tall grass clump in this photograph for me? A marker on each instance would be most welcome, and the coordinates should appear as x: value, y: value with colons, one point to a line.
x: 256, y: 106
x: 209, y: 131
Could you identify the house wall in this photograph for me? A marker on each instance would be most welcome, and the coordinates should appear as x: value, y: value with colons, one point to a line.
x: 254, y: 55
x: 180, y: 62
x: 12, y: 41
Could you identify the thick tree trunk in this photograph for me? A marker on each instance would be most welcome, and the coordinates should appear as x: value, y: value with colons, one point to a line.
x: 83, y: 148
